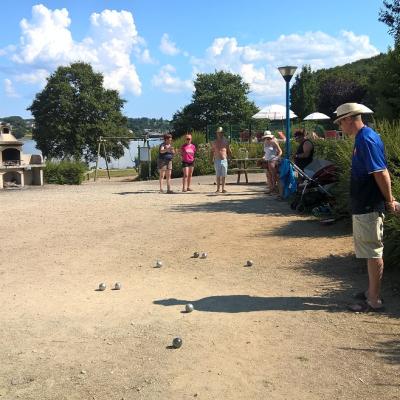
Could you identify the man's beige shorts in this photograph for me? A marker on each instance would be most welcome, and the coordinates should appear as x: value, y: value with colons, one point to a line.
x: 368, y: 235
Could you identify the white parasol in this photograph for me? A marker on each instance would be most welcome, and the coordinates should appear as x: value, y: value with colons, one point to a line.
x: 274, y: 112
x: 316, y: 116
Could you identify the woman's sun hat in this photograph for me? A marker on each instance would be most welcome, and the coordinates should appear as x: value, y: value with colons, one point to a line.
x: 219, y: 129
x: 268, y: 134
x: 348, y: 110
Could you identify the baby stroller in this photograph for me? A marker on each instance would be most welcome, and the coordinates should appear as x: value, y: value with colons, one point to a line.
x: 313, y: 192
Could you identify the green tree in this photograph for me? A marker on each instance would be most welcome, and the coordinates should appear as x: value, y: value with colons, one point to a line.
x: 334, y: 86
x: 218, y: 98
x: 73, y: 111
x: 221, y: 98
x: 336, y: 90
x: 304, y: 93
x: 387, y: 86
x: 187, y: 120
x: 390, y: 15
x: 18, y: 124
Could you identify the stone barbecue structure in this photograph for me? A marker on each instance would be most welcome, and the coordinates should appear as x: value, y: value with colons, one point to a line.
x: 17, y: 169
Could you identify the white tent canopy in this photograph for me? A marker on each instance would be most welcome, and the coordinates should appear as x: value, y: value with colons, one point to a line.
x: 316, y: 116
x: 274, y: 112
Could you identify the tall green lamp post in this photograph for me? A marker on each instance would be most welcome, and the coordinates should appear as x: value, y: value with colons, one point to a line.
x: 287, y: 74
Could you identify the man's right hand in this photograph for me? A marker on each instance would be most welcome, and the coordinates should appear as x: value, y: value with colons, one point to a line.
x: 392, y: 206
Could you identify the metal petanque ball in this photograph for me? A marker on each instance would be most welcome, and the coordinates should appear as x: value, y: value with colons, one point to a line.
x: 189, y: 308
x: 203, y: 255
x: 196, y: 254
x: 249, y: 263
x: 102, y: 286
x: 117, y: 286
x: 177, y: 342
x: 158, y: 264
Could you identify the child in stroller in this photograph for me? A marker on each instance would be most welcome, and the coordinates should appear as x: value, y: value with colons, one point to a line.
x: 313, y: 192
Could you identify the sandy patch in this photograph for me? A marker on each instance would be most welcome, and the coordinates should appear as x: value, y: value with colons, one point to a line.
x: 276, y: 330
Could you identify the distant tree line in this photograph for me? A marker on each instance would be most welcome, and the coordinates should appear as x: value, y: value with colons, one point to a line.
x: 140, y: 125
x: 20, y: 126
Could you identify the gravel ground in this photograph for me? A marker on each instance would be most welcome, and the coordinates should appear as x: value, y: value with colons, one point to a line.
x: 276, y: 330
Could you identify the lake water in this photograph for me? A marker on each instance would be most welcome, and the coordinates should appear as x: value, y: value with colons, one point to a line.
x: 127, y: 161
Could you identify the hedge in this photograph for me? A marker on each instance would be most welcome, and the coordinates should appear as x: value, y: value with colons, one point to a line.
x: 339, y: 152
x: 64, y: 172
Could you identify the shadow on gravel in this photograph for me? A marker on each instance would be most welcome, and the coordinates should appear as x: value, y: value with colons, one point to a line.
x: 309, y: 227
x: 138, y: 192
x: 256, y: 204
x: 349, y: 276
x: 245, y: 303
x: 388, y: 350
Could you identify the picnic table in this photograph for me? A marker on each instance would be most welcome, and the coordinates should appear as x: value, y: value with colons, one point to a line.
x: 245, y: 165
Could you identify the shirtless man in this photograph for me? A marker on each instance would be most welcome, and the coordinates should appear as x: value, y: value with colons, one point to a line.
x: 221, y: 151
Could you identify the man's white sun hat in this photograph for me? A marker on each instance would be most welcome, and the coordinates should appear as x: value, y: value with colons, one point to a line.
x: 350, y: 109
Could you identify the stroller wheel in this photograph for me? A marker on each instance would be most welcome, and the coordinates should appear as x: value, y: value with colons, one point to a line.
x: 301, y: 208
x: 293, y: 205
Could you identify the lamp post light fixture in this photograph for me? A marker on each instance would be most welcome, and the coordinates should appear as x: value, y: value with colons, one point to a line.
x: 287, y: 74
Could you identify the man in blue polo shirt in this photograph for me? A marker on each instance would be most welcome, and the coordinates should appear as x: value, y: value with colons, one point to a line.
x: 371, y: 195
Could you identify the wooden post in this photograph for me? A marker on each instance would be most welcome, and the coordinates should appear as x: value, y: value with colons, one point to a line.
x: 105, y: 157
x: 97, y: 159
x: 148, y: 146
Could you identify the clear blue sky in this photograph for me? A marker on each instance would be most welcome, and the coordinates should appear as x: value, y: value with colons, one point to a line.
x: 151, y: 50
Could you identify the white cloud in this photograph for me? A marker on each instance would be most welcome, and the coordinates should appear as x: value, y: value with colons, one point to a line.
x: 113, y: 42
x: 145, y: 57
x: 38, y: 76
x: 46, y: 37
x: 167, y: 80
x: 47, y: 41
x: 167, y: 46
x: 9, y: 88
x: 257, y: 63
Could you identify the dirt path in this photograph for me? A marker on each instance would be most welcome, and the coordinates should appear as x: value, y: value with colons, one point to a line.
x: 276, y: 330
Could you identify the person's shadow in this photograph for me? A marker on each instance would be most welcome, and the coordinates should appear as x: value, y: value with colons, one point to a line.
x: 245, y: 303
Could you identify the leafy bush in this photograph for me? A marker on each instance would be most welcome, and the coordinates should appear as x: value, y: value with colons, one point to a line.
x: 390, y: 133
x: 339, y: 152
x: 254, y: 150
x: 64, y: 172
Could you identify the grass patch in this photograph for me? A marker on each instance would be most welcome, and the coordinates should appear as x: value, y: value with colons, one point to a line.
x: 116, y: 173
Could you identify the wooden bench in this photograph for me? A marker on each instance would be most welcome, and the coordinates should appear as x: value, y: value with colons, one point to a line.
x: 244, y: 166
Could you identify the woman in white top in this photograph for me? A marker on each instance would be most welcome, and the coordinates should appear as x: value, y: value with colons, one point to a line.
x: 272, y: 154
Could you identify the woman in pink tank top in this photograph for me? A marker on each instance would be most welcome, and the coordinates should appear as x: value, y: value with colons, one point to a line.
x: 188, y: 150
